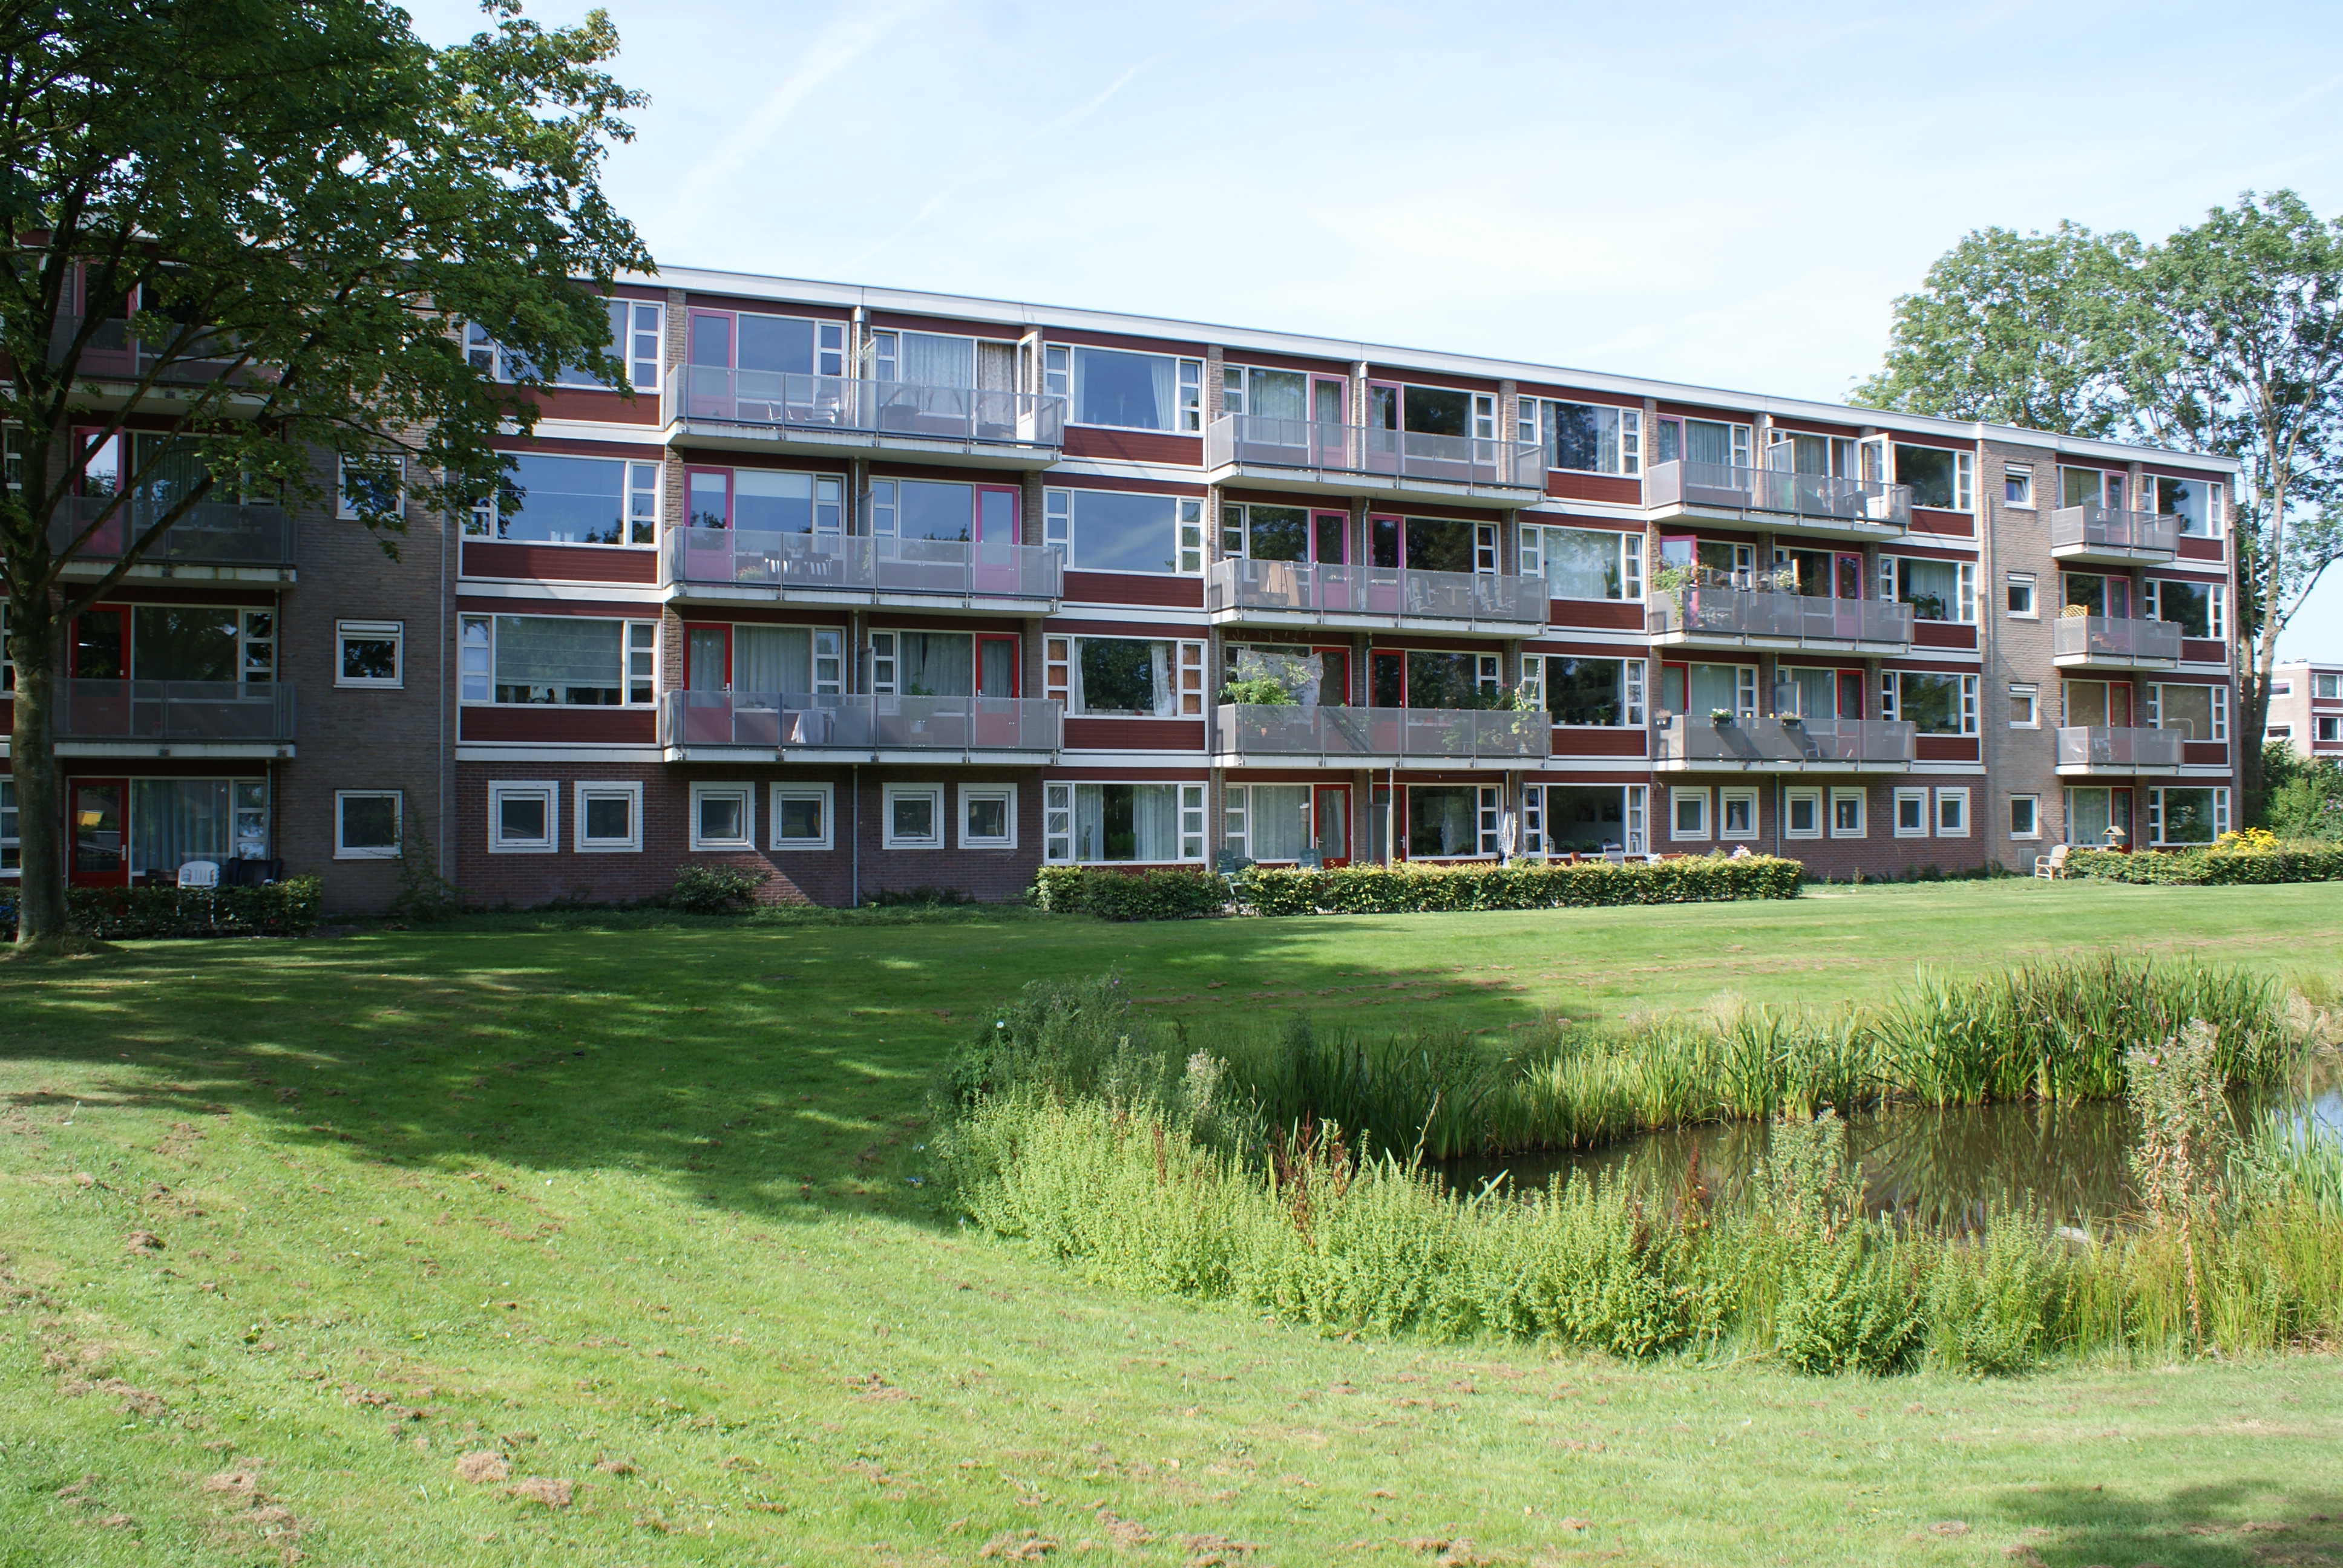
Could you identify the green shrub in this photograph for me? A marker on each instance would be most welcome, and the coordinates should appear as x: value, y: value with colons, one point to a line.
x: 1169, y: 893
x: 285, y: 909
x: 716, y: 889
x: 1520, y: 885
x: 1852, y: 1304
x: 1996, y: 1300
x: 2299, y: 860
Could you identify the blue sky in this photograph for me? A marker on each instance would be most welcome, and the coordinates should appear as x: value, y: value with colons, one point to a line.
x: 1727, y: 195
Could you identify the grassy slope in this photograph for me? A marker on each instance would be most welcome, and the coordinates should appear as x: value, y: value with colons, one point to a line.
x: 638, y: 1194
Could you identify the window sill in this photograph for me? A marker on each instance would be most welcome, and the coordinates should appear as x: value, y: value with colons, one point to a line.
x: 367, y: 855
x: 369, y: 686
x: 524, y: 849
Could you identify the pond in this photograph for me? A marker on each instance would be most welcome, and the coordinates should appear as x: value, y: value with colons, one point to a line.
x: 1943, y: 1170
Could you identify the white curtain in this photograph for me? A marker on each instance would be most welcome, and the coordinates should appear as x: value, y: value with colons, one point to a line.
x: 939, y: 664
x: 1716, y: 686
x: 174, y: 820
x: 1155, y: 820
x: 1706, y: 441
x: 1280, y: 822
x: 558, y: 650
x: 1159, y: 663
x: 1277, y: 394
x: 1167, y: 391
x: 927, y: 360
x: 1090, y: 821
x: 772, y: 659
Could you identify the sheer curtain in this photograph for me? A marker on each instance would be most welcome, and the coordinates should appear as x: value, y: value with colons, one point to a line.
x: 928, y: 360
x: 771, y: 660
x: 1277, y: 394
x: 1090, y: 821
x: 937, y: 663
x: 1706, y: 441
x: 1280, y: 822
x: 1159, y: 665
x: 1155, y: 820
x: 1166, y: 379
x: 174, y: 820
x: 562, y: 651
x: 1716, y: 686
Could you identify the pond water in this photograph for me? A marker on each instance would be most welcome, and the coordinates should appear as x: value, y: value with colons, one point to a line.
x: 1943, y: 1170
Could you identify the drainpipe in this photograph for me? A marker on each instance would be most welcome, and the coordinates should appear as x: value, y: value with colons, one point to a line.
x: 1777, y: 816
x: 854, y: 854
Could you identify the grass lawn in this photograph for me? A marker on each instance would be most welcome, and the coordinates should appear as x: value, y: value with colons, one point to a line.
x: 630, y: 1202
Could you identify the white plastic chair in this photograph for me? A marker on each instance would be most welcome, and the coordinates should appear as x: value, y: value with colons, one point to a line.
x: 2052, y: 866
x: 200, y: 874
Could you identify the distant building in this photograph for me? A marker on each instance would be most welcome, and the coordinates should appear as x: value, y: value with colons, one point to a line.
x: 2306, y: 708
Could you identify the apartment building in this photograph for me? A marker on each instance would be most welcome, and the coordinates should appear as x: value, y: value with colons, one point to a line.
x: 2306, y: 708
x: 874, y: 590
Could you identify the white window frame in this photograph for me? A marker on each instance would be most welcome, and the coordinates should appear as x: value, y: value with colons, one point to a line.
x: 1891, y: 695
x: 1726, y: 796
x: 1958, y: 798
x: 1060, y: 662
x: 393, y: 632
x: 2033, y: 597
x: 1795, y: 796
x: 1532, y: 822
x: 2156, y: 809
x: 638, y: 664
x: 2033, y: 804
x: 1631, y: 559
x: 389, y: 462
x: 2216, y: 700
x: 1677, y: 832
x: 813, y: 790
x: 2325, y: 685
x: 2279, y: 732
x: 2031, y: 695
x: 12, y: 845
x: 1965, y: 594
x: 746, y: 794
x: 1861, y: 801
x: 1187, y: 383
x: 547, y: 793
x: 1531, y: 420
x: 2324, y: 726
x: 969, y: 795
x: 891, y: 793
x: 586, y: 790
x: 391, y: 851
x: 1916, y: 799
x: 1638, y: 813
x: 2024, y: 474
x: 1058, y: 822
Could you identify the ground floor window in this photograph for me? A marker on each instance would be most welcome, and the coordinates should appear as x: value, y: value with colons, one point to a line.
x: 366, y: 824
x: 1846, y: 813
x: 2091, y: 812
x: 1267, y: 821
x: 2188, y: 816
x: 1802, y: 812
x: 722, y: 817
x: 2026, y: 816
x: 1952, y: 813
x: 911, y: 816
x: 1736, y: 813
x: 1911, y: 817
x: 1451, y: 821
x: 175, y: 820
x: 521, y: 818
x: 1687, y: 814
x: 1129, y: 824
x: 802, y: 817
x: 987, y: 815
x: 608, y: 818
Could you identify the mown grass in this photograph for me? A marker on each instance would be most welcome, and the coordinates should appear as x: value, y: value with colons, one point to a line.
x: 456, y: 1211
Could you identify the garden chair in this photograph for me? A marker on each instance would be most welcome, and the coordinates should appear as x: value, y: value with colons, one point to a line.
x: 2052, y: 866
x: 202, y: 874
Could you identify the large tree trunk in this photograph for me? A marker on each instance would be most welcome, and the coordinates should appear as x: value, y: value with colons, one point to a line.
x: 33, y: 759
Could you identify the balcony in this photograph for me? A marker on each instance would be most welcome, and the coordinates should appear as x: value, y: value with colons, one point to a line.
x: 736, y: 567
x: 117, y: 351
x: 172, y: 719
x: 1246, y: 734
x: 2104, y: 536
x: 1298, y: 594
x: 1721, y: 617
x: 1778, y: 501
x: 2103, y: 642
x: 2087, y: 751
x: 790, y: 726
x: 833, y: 415
x: 1305, y: 456
x: 220, y: 541
x: 1776, y: 745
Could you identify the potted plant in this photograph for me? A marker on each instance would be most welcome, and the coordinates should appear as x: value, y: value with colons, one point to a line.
x: 1723, y: 717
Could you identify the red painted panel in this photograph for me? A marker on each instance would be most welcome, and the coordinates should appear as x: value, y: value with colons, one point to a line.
x: 1251, y: 357
x: 1133, y: 446
x: 1164, y: 591
x: 1596, y: 615
x: 561, y: 726
x: 1954, y: 524
x: 1948, y: 748
x: 593, y: 403
x: 2210, y: 753
x: 1407, y: 377
x: 1695, y: 411
x: 1613, y: 489
x: 560, y: 563
x: 2197, y: 550
x: 1134, y: 734
x: 1124, y: 340
x: 2204, y: 649
x: 1571, y: 394
x: 1943, y: 634
x: 769, y: 307
x: 1196, y: 775
x: 991, y: 331
x: 1816, y: 428
x: 1569, y: 743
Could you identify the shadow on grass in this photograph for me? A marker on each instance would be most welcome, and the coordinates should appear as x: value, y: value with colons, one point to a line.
x: 2237, y: 1522
x: 773, y: 1067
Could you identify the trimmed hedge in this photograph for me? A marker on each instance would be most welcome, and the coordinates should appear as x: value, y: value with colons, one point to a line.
x: 1523, y: 885
x: 285, y: 909
x: 1158, y: 895
x: 2308, y: 860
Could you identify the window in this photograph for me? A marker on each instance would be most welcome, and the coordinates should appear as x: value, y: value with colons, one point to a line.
x: 1587, y: 818
x: 2188, y: 816
x: 1911, y: 813
x: 2277, y: 688
x: 1802, y: 807
x: 1122, y: 824
x: 1952, y: 813
x: 2025, y: 816
x: 1417, y: 678
x: 1933, y: 704
x: 1582, y: 564
x: 1846, y: 813
x: 2195, y: 502
x: 1589, y: 437
x: 721, y: 817
x: 771, y: 348
x: 372, y: 489
x: 987, y: 815
x: 1687, y: 814
x: 1127, y: 676
x: 2279, y: 732
x: 2201, y: 609
x: 369, y: 652
x: 774, y: 501
x: 1710, y: 441
x: 1129, y: 391
x: 2090, y: 487
x: 2326, y: 685
x: 2021, y: 597
x: 570, y: 661
x: 2017, y: 485
x: 1451, y: 821
x: 608, y: 818
x: 2201, y: 712
x: 2090, y: 812
x: 1939, y: 477
x: 2325, y: 728
x: 1936, y: 590
x: 215, y: 643
x: 12, y: 863
x: 1705, y: 688
x: 366, y: 824
x: 1638, y: 795
x: 636, y: 334
x: 1736, y: 813
x: 1590, y: 691
x: 521, y: 818
x: 574, y: 501
x: 911, y: 816
x: 924, y: 510
x: 2026, y: 707
x: 802, y: 817
x: 1125, y: 530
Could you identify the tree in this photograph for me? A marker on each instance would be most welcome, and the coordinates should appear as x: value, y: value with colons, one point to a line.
x: 2029, y: 330
x: 254, y: 225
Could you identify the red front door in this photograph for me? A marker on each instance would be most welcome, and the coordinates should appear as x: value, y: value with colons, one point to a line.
x: 97, y: 828
x: 1330, y: 823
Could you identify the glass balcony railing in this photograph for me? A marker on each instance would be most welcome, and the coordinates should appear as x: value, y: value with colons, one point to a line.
x: 119, y: 347
x: 1332, y: 734
x: 1731, y: 612
x: 779, y: 400
x: 220, y: 534
x: 2104, y: 638
x: 188, y: 711
x: 828, y: 722
x: 2084, y: 529
x: 1253, y: 441
x: 1689, y: 740
x: 2120, y: 748
x: 1299, y: 586
x: 863, y: 564
x: 1817, y: 497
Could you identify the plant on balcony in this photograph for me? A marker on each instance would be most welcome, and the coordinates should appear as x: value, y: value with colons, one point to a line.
x: 1272, y: 680
x: 1670, y: 581
x: 1264, y: 692
x: 1723, y: 717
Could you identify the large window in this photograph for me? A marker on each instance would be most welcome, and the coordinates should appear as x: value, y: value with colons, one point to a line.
x: 575, y: 501
x: 934, y: 359
x: 2195, y: 502
x: 1432, y: 544
x: 771, y: 501
x: 776, y: 345
x: 1267, y: 821
x: 1940, y: 477
x: 2092, y: 811
x: 1126, y: 531
x: 1453, y: 822
x: 1128, y: 391
x: 2200, y: 610
x: 2188, y: 816
x: 1125, y: 824
x: 940, y: 510
x: 1585, y: 819
x: 1417, y: 678
x: 1131, y: 677
x: 1592, y: 437
x: 219, y: 644
x: 1706, y: 689
x: 1431, y: 411
x: 1712, y: 441
x: 568, y: 660
x: 636, y: 331
x: 1936, y: 590
x: 2199, y: 712
x: 1583, y: 563
x: 1591, y: 691
x: 1933, y: 704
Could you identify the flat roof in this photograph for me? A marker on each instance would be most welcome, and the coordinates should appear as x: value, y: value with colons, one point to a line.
x: 758, y: 286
